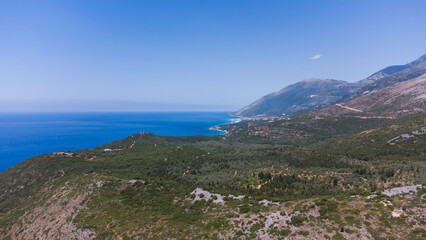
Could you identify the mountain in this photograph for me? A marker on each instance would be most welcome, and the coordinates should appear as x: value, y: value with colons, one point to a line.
x: 298, y: 97
x: 386, y: 72
x: 399, y: 99
x: 389, y: 76
x: 316, y: 94
x: 416, y: 66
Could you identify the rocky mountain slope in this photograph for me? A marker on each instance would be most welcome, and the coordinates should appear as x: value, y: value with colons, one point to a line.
x: 298, y: 97
x: 416, y: 66
x: 402, y: 98
x: 315, y: 94
x: 388, y: 77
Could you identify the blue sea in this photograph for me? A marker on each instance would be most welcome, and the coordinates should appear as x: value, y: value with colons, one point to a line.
x: 24, y: 135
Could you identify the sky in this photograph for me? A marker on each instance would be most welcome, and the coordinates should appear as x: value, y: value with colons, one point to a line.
x: 102, y: 55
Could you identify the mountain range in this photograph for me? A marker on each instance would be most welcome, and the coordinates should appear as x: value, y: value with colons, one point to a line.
x: 399, y: 99
x: 301, y: 96
x: 315, y: 94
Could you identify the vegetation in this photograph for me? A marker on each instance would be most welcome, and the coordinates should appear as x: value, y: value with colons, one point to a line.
x: 309, y: 167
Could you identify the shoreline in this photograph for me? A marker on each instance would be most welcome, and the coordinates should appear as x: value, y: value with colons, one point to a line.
x: 231, y: 121
x: 236, y: 120
x: 112, y: 126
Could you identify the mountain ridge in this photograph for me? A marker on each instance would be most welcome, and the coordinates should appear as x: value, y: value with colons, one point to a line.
x: 407, y: 97
x: 296, y: 98
x: 396, y: 68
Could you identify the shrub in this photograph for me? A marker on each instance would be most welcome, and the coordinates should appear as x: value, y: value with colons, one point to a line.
x: 332, y: 206
x: 245, y: 208
x: 285, y: 232
x: 338, y: 236
x: 297, y: 220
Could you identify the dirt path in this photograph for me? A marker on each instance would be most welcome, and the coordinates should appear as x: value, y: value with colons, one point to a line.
x: 349, y: 108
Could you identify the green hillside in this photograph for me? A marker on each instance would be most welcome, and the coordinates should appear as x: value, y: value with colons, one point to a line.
x: 141, y: 186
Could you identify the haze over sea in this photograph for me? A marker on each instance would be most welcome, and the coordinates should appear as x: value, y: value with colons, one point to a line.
x: 24, y: 135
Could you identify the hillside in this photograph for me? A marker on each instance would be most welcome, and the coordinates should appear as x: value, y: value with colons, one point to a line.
x: 415, y: 67
x: 315, y: 94
x: 389, y: 76
x: 319, y: 179
x: 298, y: 97
x: 403, y: 98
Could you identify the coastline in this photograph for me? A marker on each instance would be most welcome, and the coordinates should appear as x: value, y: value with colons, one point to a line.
x: 237, y: 120
x: 41, y: 133
x: 231, y: 121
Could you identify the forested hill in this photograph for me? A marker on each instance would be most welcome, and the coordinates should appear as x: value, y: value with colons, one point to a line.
x: 304, y: 177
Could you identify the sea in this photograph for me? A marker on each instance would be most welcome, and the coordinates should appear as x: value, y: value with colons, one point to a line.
x: 24, y: 135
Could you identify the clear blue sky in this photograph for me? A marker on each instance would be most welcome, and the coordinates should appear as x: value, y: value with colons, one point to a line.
x: 192, y: 55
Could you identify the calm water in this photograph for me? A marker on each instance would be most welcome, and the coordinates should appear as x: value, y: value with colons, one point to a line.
x: 23, y: 135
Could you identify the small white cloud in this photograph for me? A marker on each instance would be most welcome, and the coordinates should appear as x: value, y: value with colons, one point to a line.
x: 315, y: 57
